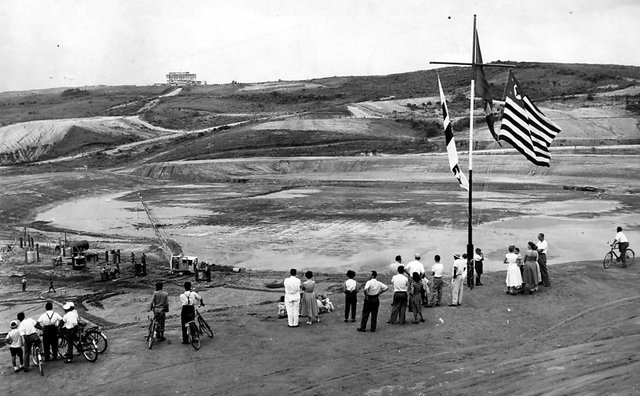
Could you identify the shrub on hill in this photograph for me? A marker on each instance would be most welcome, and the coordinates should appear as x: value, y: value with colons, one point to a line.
x: 74, y: 93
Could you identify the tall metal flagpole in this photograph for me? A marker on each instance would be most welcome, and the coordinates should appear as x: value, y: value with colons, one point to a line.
x: 471, y: 106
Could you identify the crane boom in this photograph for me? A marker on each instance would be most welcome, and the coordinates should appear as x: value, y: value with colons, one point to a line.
x: 171, y: 247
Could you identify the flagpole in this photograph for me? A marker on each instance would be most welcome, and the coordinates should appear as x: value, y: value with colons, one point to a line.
x: 471, y: 106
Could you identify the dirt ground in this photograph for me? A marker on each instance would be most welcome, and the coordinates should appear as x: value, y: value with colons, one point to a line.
x: 578, y: 337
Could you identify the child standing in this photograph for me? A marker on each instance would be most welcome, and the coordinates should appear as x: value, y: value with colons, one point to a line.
x: 15, y: 345
x: 350, y: 296
x: 479, y: 260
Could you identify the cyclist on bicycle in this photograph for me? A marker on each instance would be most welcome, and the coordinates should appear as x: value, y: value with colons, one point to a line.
x: 70, y: 320
x: 28, y: 330
x: 188, y: 300
x: 160, y: 306
x: 623, y: 245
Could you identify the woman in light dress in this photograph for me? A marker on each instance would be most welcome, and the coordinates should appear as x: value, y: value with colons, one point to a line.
x: 530, y: 269
x: 514, y: 278
x: 309, y: 302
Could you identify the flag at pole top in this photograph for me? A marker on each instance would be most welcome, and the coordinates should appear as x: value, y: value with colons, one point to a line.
x: 482, y: 88
x: 451, y: 143
x: 524, y: 126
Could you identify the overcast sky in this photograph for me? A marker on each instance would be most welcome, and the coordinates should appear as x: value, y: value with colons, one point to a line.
x: 58, y: 43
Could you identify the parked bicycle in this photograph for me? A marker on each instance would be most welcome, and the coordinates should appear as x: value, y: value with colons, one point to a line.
x: 609, y: 257
x: 196, y: 328
x: 153, y: 331
x: 36, y: 356
x: 83, y: 343
x: 99, y: 337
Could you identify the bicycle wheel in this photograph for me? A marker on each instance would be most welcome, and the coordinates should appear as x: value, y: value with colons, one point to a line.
x: 608, y: 260
x: 39, y: 360
x: 204, y: 326
x: 62, y: 345
x: 151, y: 336
x: 89, y: 349
x: 100, y: 339
x: 194, y: 337
x: 630, y: 256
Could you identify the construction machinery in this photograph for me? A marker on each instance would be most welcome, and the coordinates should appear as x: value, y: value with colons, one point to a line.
x: 178, y: 262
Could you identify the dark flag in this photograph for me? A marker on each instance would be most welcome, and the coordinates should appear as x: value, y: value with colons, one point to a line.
x: 482, y: 90
x: 451, y: 143
x: 524, y: 126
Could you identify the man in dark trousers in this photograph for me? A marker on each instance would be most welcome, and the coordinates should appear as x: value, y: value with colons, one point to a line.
x: 372, y: 289
x: 188, y: 300
x: 160, y: 307
x: 49, y: 322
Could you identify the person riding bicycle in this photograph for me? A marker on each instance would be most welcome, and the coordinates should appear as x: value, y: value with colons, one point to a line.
x: 70, y: 320
x: 623, y: 245
x: 160, y: 306
x: 28, y: 330
x: 188, y: 300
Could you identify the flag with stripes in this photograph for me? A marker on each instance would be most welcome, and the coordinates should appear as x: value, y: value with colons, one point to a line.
x: 451, y: 143
x: 482, y: 89
x: 524, y: 126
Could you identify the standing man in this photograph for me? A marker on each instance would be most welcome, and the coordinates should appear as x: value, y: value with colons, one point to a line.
x: 160, y: 307
x: 470, y: 267
x: 350, y: 296
x: 143, y: 260
x: 70, y: 320
x: 459, y: 271
x: 437, y: 270
x: 415, y: 266
x: 29, y: 334
x: 51, y: 288
x: 24, y: 284
x: 623, y: 244
x: 372, y: 289
x: 479, y: 260
x: 542, y: 259
x: 400, y: 284
x: 393, y: 267
x: 188, y: 300
x: 292, y: 297
x: 49, y: 322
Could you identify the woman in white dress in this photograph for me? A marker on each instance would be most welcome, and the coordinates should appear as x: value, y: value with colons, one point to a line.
x: 514, y: 277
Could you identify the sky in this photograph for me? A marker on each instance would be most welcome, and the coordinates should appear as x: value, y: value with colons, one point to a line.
x: 74, y: 43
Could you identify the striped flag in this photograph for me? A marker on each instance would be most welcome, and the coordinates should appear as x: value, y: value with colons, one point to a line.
x: 483, y: 91
x: 524, y: 126
x: 451, y: 143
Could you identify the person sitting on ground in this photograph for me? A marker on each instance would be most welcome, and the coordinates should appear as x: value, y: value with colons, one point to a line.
x: 28, y: 329
x: 160, y: 306
x: 188, y: 299
x: 71, y: 321
x: 14, y: 341
x: 416, y: 293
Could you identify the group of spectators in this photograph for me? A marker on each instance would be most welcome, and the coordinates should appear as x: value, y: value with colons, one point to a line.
x: 25, y: 332
x: 526, y: 272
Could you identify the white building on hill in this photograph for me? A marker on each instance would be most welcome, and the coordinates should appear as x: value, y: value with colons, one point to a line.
x: 182, y: 78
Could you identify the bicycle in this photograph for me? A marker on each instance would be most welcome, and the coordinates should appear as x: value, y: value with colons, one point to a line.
x: 151, y: 335
x: 99, y: 337
x: 197, y: 327
x: 36, y: 357
x: 609, y: 257
x: 83, y: 343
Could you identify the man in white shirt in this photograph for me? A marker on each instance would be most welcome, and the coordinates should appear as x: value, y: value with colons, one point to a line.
x: 188, y: 300
x: 28, y: 332
x: 70, y: 320
x: 400, y: 284
x: 436, y: 291
x: 372, y: 289
x: 459, y: 274
x: 393, y: 267
x: 49, y: 322
x: 543, y: 246
x: 415, y: 266
x: 623, y: 245
x: 292, y: 298
x: 350, y: 296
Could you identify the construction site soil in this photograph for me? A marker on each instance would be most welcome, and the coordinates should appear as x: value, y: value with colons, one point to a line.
x: 264, y: 216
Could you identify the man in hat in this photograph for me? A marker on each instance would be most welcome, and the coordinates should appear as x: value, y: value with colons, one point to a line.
x: 459, y: 272
x: 49, y: 322
x: 14, y: 341
x: 70, y: 320
x: 160, y: 306
x: 28, y: 331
